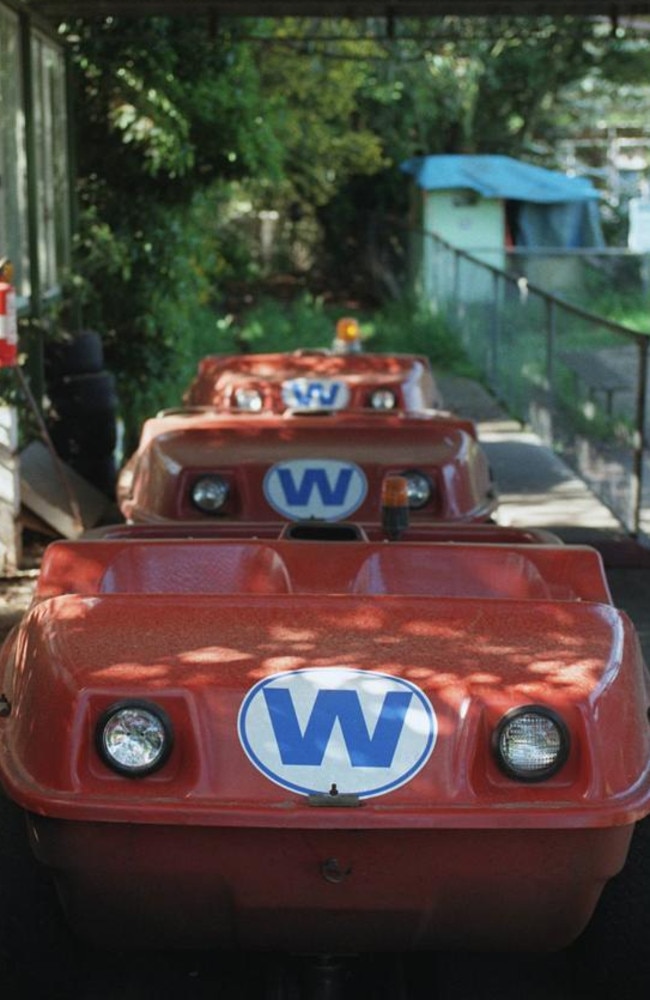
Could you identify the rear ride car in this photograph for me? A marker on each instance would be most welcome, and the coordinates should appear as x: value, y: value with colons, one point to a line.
x: 314, y: 380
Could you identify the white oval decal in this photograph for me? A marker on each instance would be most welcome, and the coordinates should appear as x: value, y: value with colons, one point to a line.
x: 315, y: 488
x: 315, y: 394
x: 365, y: 733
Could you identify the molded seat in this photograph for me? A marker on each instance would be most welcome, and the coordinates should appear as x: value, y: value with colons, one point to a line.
x: 451, y: 573
x: 199, y: 569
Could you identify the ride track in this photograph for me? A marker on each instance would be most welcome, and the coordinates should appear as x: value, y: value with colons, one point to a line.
x: 69, y: 970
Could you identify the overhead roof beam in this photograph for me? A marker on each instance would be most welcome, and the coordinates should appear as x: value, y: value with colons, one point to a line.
x: 389, y: 9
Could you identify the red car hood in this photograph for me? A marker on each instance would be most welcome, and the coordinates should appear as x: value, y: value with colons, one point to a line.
x: 234, y: 641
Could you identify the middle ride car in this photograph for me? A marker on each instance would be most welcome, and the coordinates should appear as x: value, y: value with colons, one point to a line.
x: 202, y: 466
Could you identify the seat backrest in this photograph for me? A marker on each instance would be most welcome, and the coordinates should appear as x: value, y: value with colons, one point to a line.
x: 451, y: 572
x: 197, y: 569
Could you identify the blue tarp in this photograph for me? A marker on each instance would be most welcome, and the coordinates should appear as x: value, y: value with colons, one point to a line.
x: 498, y: 177
x: 562, y: 224
x: 551, y: 209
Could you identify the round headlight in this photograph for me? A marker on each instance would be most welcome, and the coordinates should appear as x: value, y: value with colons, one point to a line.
x: 383, y: 399
x: 418, y: 487
x: 531, y: 743
x: 134, y: 738
x: 209, y: 493
x: 249, y: 400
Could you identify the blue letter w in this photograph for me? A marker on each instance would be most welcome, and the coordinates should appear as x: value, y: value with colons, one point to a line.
x: 318, y: 392
x: 299, y: 495
x: 308, y: 748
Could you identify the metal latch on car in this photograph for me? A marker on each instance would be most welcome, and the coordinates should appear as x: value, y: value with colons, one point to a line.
x: 334, y: 798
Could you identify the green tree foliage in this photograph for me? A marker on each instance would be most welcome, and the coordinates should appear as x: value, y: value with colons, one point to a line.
x: 177, y: 124
x: 452, y: 85
x: 168, y: 118
x: 476, y: 85
x: 188, y: 128
x: 319, y: 127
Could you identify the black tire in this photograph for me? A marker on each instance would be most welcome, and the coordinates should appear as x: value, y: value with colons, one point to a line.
x: 75, y: 355
x: 612, y: 956
x: 34, y: 937
x: 94, y: 433
x: 100, y: 472
x: 77, y: 395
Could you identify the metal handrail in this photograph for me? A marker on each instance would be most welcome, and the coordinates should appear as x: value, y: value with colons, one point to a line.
x: 456, y: 299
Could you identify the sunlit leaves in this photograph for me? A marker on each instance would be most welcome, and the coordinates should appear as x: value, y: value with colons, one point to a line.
x: 190, y: 129
x: 146, y: 117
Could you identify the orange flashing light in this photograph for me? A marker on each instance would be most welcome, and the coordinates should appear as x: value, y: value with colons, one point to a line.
x: 394, y: 492
x: 347, y: 329
x: 394, y: 506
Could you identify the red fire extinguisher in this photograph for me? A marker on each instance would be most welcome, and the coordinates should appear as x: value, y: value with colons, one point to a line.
x: 8, y: 321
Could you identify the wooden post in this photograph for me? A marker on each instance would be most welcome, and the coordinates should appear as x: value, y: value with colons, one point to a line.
x: 10, y: 532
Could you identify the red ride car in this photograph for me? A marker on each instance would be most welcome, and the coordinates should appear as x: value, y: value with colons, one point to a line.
x: 323, y: 742
x: 314, y: 380
x: 294, y: 466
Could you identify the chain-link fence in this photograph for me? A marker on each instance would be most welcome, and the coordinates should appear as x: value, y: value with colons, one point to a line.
x: 578, y: 379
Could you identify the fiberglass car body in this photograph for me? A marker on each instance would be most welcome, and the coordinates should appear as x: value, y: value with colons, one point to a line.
x: 326, y: 742
x: 314, y: 379
x: 294, y: 466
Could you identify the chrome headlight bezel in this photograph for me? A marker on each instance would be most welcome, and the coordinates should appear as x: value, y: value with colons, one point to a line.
x: 216, y: 483
x: 557, y: 736
x: 383, y: 400
x: 419, y: 488
x: 116, y: 715
x: 248, y: 399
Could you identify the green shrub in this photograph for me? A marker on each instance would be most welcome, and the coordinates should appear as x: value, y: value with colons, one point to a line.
x: 279, y: 326
x: 410, y: 327
x: 403, y: 326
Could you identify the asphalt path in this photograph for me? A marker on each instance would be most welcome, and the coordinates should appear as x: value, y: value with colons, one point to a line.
x: 537, y: 489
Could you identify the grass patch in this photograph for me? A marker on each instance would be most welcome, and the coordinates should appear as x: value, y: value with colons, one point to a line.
x: 402, y: 327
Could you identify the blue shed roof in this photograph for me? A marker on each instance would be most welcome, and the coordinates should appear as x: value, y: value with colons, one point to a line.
x: 498, y: 177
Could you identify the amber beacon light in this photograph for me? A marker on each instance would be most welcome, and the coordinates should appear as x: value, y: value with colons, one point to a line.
x: 394, y: 506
